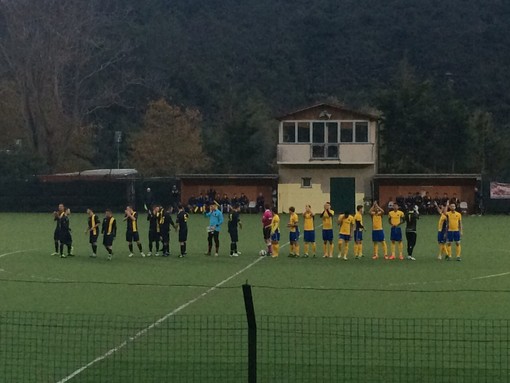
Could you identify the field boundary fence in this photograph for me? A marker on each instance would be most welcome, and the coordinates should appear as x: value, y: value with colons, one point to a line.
x: 51, y: 347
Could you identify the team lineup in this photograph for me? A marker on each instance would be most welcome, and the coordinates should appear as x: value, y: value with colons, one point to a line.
x: 350, y: 227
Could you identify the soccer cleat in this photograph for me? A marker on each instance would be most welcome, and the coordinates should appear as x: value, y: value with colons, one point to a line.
x: 375, y: 257
x: 72, y: 251
x: 149, y: 254
x: 55, y: 253
x: 411, y: 258
x: 392, y: 258
x: 357, y: 257
x: 62, y: 256
x: 130, y: 255
x: 238, y: 253
x: 181, y: 255
x: 93, y: 255
x: 157, y: 254
x: 325, y: 256
x: 447, y: 258
x: 345, y: 258
x: 401, y: 257
x: 306, y: 255
x: 142, y: 254
x: 439, y: 258
x: 314, y: 255
x: 339, y: 256
x: 109, y: 257
x: 458, y: 259
x: 386, y: 257
x: 207, y: 253
x: 215, y: 254
x: 274, y: 256
x: 234, y: 255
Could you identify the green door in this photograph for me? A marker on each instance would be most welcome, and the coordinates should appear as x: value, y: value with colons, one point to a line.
x: 342, y: 194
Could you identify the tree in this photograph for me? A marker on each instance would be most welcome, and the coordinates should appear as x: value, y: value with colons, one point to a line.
x: 170, y: 142
x: 64, y: 60
x: 245, y: 137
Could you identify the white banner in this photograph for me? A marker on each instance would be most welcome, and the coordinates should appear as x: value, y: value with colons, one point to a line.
x: 500, y: 190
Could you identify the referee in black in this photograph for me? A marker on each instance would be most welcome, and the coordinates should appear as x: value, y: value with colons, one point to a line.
x: 412, y: 217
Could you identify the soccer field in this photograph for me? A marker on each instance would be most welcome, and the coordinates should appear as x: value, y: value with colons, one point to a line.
x: 97, y: 305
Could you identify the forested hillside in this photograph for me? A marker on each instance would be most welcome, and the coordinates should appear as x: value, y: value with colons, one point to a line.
x: 74, y: 72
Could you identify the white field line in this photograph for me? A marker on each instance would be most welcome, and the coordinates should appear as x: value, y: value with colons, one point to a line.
x: 159, y: 321
x: 15, y: 252
x: 449, y: 280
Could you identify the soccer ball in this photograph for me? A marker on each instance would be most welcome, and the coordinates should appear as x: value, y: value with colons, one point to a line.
x: 262, y: 253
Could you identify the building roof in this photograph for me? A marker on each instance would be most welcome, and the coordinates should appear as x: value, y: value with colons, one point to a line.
x: 227, y: 176
x: 425, y: 176
x: 326, y: 105
x: 94, y: 174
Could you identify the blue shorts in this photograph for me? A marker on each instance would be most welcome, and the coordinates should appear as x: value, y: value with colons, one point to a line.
x: 309, y: 235
x: 441, y: 237
x: 453, y: 236
x: 396, y: 234
x: 377, y: 235
x: 345, y: 237
x: 294, y: 236
x: 275, y: 237
x: 327, y: 235
x: 358, y: 235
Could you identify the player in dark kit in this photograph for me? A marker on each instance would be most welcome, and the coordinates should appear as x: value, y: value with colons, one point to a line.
x: 132, y: 234
x: 56, y: 234
x: 182, y: 222
x: 65, y: 237
x: 165, y: 221
x: 93, y: 231
x: 234, y: 222
x: 109, y: 231
x: 154, y: 229
x: 411, y: 218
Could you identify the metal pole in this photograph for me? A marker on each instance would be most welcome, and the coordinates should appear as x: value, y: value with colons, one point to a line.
x: 252, y: 333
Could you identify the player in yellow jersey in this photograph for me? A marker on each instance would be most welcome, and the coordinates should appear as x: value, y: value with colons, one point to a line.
x: 396, y: 218
x: 442, y: 230
x: 309, y: 230
x: 454, y: 231
x: 358, y: 232
x: 377, y: 213
x: 293, y: 226
x: 327, y: 230
x: 275, y: 233
x: 346, y: 223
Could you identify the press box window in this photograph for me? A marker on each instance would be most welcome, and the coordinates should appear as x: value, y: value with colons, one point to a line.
x: 289, y: 132
x: 306, y: 182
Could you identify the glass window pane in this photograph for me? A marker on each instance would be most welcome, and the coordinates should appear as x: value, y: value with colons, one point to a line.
x: 362, y: 131
x: 332, y: 151
x: 317, y: 151
x: 332, y: 132
x: 303, y: 132
x: 289, y: 132
x: 346, y: 132
x: 318, y: 132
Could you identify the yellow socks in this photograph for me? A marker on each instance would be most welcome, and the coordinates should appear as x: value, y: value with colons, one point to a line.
x: 392, y: 247
x: 331, y: 249
x: 385, y: 248
x: 458, y: 250
x: 314, y: 248
x: 400, y: 248
x: 346, y: 249
x: 276, y: 249
x: 296, y: 249
x: 306, y: 247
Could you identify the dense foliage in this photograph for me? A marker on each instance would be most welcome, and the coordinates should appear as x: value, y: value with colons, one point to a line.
x: 72, y: 73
